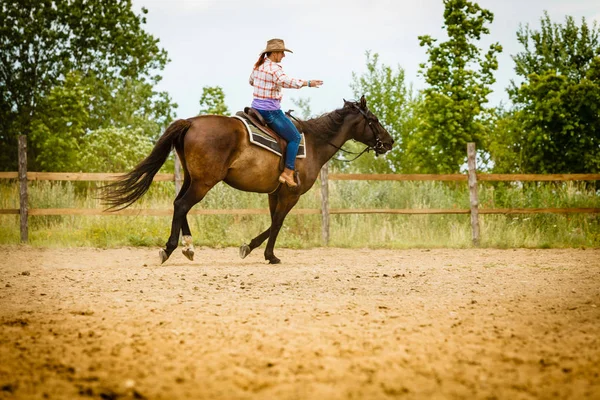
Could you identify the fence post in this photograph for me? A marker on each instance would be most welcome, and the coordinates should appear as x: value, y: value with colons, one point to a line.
x: 23, y: 200
x: 473, y: 192
x: 177, y: 173
x: 325, y: 204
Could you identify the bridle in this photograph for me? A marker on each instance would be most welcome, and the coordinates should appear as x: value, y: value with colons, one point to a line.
x: 370, y: 121
x: 378, y: 143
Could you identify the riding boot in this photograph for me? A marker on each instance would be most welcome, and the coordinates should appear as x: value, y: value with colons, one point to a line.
x: 287, y: 177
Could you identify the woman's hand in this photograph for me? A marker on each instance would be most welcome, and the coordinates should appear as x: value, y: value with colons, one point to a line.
x: 314, y: 83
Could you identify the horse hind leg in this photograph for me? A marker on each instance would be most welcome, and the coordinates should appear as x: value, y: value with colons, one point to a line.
x: 186, y: 241
x: 186, y: 233
x: 181, y: 206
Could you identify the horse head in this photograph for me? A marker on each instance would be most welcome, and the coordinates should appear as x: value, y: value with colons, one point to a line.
x: 368, y: 128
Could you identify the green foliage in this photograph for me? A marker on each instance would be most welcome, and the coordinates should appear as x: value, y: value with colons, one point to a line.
x: 557, y: 129
x: 58, y: 128
x: 459, y: 80
x: 565, y: 49
x: 394, y: 102
x: 129, y: 103
x: 81, y: 111
x: 114, y: 150
x: 212, y: 101
x: 505, y: 154
x: 42, y: 43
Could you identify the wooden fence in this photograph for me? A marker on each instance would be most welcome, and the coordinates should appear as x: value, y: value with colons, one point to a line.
x: 472, y: 178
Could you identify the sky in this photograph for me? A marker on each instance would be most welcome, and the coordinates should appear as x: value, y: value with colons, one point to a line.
x: 216, y: 42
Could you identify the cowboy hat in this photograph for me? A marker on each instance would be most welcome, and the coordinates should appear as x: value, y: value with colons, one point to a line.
x: 275, y: 45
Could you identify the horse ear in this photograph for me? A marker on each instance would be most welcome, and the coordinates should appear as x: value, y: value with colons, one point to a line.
x: 363, y: 102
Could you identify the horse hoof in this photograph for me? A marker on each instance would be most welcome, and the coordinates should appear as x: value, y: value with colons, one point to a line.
x: 163, y: 256
x: 189, y: 253
x: 244, y: 250
x: 274, y: 260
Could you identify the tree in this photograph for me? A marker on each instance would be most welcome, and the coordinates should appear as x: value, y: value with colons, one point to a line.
x: 74, y: 113
x: 129, y: 103
x: 43, y: 41
x: 114, y: 149
x: 556, y: 107
x: 59, y: 126
x: 566, y: 49
x: 393, y: 102
x: 503, y: 145
x: 459, y: 80
x: 212, y: 101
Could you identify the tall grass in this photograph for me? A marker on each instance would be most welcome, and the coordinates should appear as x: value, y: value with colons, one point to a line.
x: 304, y: 231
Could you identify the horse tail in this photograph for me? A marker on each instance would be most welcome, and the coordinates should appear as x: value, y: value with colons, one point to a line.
x: 133, y: 185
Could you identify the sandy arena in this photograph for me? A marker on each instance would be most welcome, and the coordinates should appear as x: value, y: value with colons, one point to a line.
x: 325, y: 324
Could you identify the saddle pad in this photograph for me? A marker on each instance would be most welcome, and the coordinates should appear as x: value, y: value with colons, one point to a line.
x: 259, y: 138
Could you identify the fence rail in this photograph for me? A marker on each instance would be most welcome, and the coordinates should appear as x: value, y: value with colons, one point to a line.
x: 298, y: 211
x: 77, y: 176
x: 105, y: 177
x: 472, y: 177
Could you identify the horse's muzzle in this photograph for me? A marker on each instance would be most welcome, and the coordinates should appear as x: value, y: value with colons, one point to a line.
x: 382, y: 148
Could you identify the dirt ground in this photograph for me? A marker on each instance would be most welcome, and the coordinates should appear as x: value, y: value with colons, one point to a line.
x: 325, y: 324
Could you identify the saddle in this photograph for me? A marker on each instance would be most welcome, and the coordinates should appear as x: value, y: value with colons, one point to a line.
x: 253, y: 116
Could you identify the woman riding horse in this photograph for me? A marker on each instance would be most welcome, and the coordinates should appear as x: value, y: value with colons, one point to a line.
x: 268, y: 78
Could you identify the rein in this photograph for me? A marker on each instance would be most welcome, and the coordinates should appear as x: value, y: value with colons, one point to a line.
x: 366, y: 149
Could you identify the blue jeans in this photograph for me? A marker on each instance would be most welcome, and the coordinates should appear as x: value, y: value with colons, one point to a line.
x: 281, y: 124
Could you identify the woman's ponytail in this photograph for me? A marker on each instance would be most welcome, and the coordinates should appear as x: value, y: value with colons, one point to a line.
x: 261, y: 59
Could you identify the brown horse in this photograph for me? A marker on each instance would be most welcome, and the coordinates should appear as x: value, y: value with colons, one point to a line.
x: 215, y: 148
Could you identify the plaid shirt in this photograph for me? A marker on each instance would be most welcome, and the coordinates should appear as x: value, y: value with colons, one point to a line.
x: 269, y: 78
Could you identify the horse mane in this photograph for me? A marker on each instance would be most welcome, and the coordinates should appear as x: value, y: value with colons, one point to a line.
x: 326, y: 124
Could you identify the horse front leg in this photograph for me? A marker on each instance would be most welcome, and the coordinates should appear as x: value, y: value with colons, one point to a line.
x: 285, y: 202
x: 246, y: 249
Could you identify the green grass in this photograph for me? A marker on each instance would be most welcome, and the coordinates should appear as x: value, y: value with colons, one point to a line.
x: 304, y: 231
